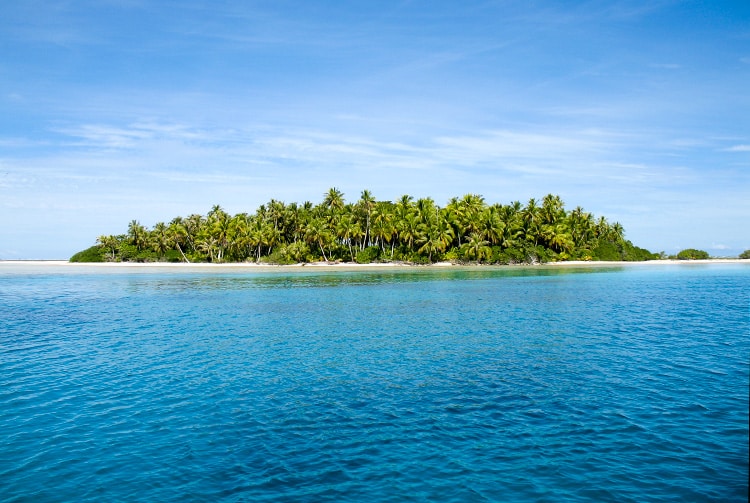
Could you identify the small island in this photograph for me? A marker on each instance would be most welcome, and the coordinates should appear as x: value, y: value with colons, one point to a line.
x: 466, y: 230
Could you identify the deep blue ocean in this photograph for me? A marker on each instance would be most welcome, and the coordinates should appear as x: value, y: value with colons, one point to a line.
x: 625, y: 384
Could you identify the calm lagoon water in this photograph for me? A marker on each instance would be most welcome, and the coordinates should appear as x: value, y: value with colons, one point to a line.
x: 523, y: 384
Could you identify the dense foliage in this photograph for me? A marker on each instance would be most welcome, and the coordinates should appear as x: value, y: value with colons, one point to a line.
x: 745, y: 254
x: 692, y: 254
x: 467, y: 229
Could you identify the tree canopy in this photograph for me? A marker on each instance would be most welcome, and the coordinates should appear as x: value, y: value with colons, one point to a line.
x: 692, y: 254
x: 467, y: 229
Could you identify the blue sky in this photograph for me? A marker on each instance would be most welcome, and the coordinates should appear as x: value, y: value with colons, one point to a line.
x: 114, y: 110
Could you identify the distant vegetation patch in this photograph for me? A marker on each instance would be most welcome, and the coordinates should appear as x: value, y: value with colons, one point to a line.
x: 692, y: 254
x: 92, y: 254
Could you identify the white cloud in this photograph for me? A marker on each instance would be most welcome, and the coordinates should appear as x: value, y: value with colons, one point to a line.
x: 108, y: 137
x: 666, y: 66
x: 738, y: 148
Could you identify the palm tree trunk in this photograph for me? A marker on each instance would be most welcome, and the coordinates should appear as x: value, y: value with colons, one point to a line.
x: 181, y: 253
x: 320, y: 243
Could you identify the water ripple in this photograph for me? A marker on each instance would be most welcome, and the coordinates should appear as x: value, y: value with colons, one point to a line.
x: 617, y: 385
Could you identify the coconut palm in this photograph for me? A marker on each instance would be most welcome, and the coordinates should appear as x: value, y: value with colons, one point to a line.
x: 476, y: 248
x: 333, y: 199
x: 317, y: 233
x: 177, y: 235
x: 491, y: 226
x: 193, y: 226
x: 365, y: 205
x: 160, y: 240
x: 429, y: 243
x: 238, y: 236
x: 256, y: 238
x: 208, y: 245
x: 347, y: 230
x: 403, y: 206
x: 617, y: 233
x: 109, y: 243
x: 552, y: 210
x: 557, y: 237
x: 435, y: 236
x: 426, y: 209
x: 138, y: 235
x: 220, y: 227
x: 408, y: 229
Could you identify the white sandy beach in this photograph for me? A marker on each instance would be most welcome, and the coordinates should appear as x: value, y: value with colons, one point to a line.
x: 23, y: 266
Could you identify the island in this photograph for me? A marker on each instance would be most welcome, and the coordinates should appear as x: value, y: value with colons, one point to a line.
x: 416, y: 231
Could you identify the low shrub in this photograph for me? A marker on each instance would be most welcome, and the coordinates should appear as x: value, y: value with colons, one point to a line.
x: 368, y: 255
x: 93, y: 254
x: 692, y: 254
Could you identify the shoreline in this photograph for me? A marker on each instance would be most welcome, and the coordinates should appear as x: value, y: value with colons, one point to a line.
x: 64, y: 265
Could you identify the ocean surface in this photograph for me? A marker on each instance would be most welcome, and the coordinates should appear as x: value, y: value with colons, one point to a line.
x: 625, y: 384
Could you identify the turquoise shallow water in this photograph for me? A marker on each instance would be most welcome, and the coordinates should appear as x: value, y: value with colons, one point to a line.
x: 525, y: 384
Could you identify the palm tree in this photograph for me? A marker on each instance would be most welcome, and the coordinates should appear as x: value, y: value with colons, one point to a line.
x: 271, y: 236
x: 255, y: 238
x: 476, y: 248
x: 557, y: 237
x: 435, y: 235
x: 383, y: 227
x: 220, y: 228
x: 617, y: 232
x: 581, y: 227
x: 552, y: 209
x: 430, y: 243
x: 317, y: 233
x: 333, y: 199
x: 177, y: 235
x: 602, y: 228
x: 292, y: 227
x: 366, y: 204
x: 403, y: 205
x: 137, y: 234
x: 347, y: 230
x: 426, y: 209
x: 208, y: 245
x: 408, y: 229
x: 238, y: 236
x: 445, y: 232
x: 531, y: 212
x: 110, y: 243
x: 160, y: 240
x: 193, y: 226
x: 491, y: 226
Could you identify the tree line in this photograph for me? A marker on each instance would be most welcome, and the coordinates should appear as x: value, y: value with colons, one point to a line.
x: 412, y: 230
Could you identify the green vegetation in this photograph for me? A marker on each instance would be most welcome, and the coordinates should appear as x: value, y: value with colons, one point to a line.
x: 467, y: 229
x: 692, y: 254
x: 745, y: 254
x: 92, y: 254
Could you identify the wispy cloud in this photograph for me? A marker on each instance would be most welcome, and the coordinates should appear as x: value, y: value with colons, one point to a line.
x: 666, y: 66
x: 117, y: 137
x: 738, y: 148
